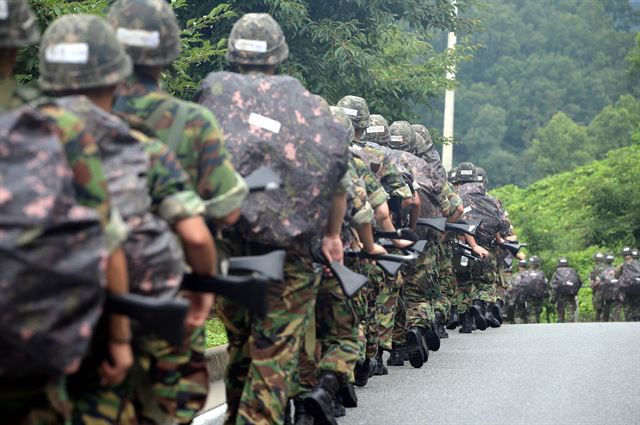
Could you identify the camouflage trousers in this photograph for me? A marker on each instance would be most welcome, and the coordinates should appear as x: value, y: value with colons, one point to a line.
x: 631, y: 307
x: 484, y: 290
x: 335, y: 347
x: 167, y: 384
x: 447, y: 281
x: 22, y: 403
x: 386, y: 304
x: 264, y: 352
x: 534, y: 309
x: 598, y: 304
x: 462, y: 297
x: 612, y: 311
x: 519, y: 312
x: 566, y: 305
x: 421, y: 291
x: 400, y: 319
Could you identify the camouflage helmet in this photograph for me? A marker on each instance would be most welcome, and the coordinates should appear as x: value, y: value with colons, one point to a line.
x: 426, y: 135
x: 81, y: 52
x: 563, y: 262
x: 357, y: 109
x: 257, y: 39
x: 403, y: 136
x: 465, y: 172
x: 626, y: 252
x: 598, y: 256
x: 609, y: 257
x: 634, y: 253
x: 18, y: 24
x: 534, y: 261
x: 148, y: 29
x: 481, y: 175
x: 522, y: 263
x: 339, y: 114
x: 377, y: 131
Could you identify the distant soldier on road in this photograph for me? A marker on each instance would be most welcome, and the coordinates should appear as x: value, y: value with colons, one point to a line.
x: 565, y: 284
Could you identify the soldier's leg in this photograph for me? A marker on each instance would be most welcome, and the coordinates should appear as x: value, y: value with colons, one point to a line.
x: 570, y: 308
x: 37, y: 403
x: 560, y: 305
x: 376, y: 286
x: 615, y: 311
x: 632, y: 308
x: 386, y: 310
x: 274, y: 345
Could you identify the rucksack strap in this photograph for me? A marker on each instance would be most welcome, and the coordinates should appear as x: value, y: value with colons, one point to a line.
x: 178, y: 125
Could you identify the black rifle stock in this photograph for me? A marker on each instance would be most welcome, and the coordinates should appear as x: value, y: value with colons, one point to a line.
x: 461, y: 228
x: 162, y: 317
x: 350, y: 281
x: 513, y: 248
x: 390, y: 268
x: 438, y: 224
x: 465, y: 250
x: 417, y: 247
x: 249, y: 291
x: 263, y: 178
x: 269, y: 265
x: 389, y: 263
x: 406, y: 234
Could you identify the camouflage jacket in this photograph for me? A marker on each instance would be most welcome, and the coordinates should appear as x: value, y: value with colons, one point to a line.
x: 13, y: 96
x: 384, y: 168
x: 200, y: 147
x: 89, y: 178
x: 361, y: 211
x: 376, y: 195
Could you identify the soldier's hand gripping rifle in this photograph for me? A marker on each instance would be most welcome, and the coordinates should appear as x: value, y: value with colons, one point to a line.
x: 389, y: 263
x: 512, y: 247
x: 437, y: 224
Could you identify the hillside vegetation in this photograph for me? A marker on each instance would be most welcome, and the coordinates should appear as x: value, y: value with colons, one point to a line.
x: 596, y: 207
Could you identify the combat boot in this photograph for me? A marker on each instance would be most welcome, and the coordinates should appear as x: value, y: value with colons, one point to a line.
x: 417, y: 347
x: 440, y: 330
x: 467, y: 321
x: 380, y: 369
x: 347, y: 396
x: 454, y: 320
x: 362, y: 372
x: 300, y: 415
x: 338, y: 409
x: 397, y: 356
x: 487, y: 314
x: 476, y: 315
x: 405, y: 353
x: 431, y: 337
x: 496, y: 309
x: 319, y: 401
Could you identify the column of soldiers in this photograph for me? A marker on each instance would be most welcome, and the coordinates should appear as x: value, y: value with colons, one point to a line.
x: 111, y: 186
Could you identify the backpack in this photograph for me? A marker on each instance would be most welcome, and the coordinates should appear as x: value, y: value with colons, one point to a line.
x: 534, y: 284
x: 565, y: 281
x: 51, y: 251
x: 630, y: 277
x: 608, y: 284
x: 154, y: 255
x: 274, y: 121
x: 481, y: 206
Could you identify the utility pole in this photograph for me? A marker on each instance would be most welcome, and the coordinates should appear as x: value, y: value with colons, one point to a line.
x: 449, y: 105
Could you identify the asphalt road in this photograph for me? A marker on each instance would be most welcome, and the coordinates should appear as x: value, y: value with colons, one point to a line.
x: 585, y: 373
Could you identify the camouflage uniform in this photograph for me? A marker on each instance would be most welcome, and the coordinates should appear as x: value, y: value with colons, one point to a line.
x: 630, y: 302
x: 596, y: 293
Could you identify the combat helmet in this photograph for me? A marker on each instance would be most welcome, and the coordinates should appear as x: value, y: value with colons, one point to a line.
x: 93, y: 59
x: 598, y: 257
x: 377, y: 131
x: 481, y: 174
x: 626, y: 252
x: 522, y: 263
x: 403, y: 136
x: 609, y: 257
x: 148, y: 29
x: 356, y: 108
x: 634, y: 253
x: 341, y: 116
x: 18, y: 24
x: 563, y: 262
x: 257, y: 39
x: 534, y: 261
x: 424, y: 145
x: 465, y: 172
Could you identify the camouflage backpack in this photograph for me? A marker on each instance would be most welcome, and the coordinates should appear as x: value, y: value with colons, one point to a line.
x: 51, y: 252
x: 630, y: 277
x: 154, y: 255
x: 609, y: 283
x: 565, y: 281
x: 275, y: 121
x: 534, y: 284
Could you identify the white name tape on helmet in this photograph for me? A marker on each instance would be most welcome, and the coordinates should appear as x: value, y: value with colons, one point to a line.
x: 350, y: 112
x: 466, y: 172
x: 375, y: 129
x: 67, y: 53
x: 4, y: 10
x: 138, y: 38
x: 396, y: 138
x: 265, y: 123
x: 255, y: 46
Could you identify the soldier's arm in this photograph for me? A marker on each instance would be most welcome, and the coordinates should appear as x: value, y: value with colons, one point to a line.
x: 220, y: 186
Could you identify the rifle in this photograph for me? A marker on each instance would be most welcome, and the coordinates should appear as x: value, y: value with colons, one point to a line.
x: 439, y: 224
x: 512, y: 247
x: 406, y: 234
x: 465, y: 250
x: 269, y: 265
x: 350, y: 281
x: 417, y: 247
x: 263, y: 179
x: 389, y: 263
x: 462, y: 227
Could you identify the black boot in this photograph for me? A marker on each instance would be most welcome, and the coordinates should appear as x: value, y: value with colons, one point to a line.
x: 431, y: 337
x: 490, y: 317
x: 440, y: 330
x: 478, y: 318
x: 347, y: 396
x: 287, y: 414
x: 363, y: 371
x: 454, y: 320
x: 338, y: 409
x: 380, y: 369
x: 467, y: 321
x: 319, y: 401
x: 417, y: 347
x: 373, y: 366
x: 405, y: 353
x: 397, y: 356
x: 301, y: 416
x: 496, y: 309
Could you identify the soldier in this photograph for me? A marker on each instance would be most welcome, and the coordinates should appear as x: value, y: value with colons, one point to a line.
x: 520, y: 307
x: 565, y: 284
x: 535, y: 290
x: 628, y: 275
x: 509, y: 299
x: 298, y: 132
x: 596, y: 297
x: 151, y: 179
x: 608, y: 284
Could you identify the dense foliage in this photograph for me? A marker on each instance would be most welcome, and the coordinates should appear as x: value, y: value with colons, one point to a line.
x: 376, y: 49
x: 541, y: 58
x: 580, y: 212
